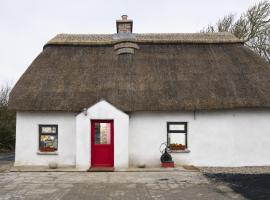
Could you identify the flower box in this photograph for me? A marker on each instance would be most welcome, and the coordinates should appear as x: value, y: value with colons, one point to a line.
x: 46, y: 149
x: 177, y: 147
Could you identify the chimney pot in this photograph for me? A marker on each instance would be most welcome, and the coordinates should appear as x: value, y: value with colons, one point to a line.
x: 124, y: 17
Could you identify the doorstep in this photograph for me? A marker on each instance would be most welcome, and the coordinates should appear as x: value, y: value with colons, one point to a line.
x: 131, y: 169
x: 101, y: 169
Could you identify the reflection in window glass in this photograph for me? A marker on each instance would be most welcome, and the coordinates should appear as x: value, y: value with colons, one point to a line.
x: 177, y: 141
x: 48, y: 142
x: 176, y: 127
x: 48, y: 129
x: 102, y: 133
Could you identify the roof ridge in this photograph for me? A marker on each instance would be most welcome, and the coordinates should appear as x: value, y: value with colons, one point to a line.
x: 188, y: 33
x: 105, y: 39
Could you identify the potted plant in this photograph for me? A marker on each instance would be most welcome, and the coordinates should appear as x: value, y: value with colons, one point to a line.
x: 166, y: 158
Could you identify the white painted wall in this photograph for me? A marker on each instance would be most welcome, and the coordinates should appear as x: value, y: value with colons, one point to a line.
x: 216, y: 138
x: 27, y: 138
x: 102, y: 110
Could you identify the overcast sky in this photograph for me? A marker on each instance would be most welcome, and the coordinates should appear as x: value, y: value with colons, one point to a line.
x: 26, y: 25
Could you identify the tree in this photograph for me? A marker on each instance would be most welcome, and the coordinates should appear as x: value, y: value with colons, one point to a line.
x: 7, y: 121
x: 253, y: 27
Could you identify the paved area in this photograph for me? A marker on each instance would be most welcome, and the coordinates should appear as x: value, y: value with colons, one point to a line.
x: 111, y: 185
x: 250, y: 183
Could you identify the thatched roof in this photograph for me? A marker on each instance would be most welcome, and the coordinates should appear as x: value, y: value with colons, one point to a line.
x: 150, y: 72
x: 103, y: 39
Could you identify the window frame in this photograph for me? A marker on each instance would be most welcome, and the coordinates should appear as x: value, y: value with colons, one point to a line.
x: 40, y: 126
x: 185, y: 132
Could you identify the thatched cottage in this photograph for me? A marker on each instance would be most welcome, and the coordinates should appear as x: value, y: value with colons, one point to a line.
x: 111, y: 100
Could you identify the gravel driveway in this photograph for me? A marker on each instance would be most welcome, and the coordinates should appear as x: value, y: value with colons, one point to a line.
x: 253, y: 183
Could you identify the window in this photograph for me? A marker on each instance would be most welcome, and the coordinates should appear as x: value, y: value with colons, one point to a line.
x: 48, y: 138
x: 177, y: 135
x: 102, y: 133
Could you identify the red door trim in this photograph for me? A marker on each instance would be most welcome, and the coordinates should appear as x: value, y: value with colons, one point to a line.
x: 111, y: 146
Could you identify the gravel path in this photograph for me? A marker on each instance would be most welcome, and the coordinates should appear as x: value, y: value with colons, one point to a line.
x: 253, y: 183
x: 236, y: 170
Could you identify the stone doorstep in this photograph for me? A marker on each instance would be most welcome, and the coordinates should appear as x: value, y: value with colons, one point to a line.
x: 74, y: 169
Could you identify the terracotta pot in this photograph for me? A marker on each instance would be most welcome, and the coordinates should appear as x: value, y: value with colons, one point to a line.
x: 167, y: 164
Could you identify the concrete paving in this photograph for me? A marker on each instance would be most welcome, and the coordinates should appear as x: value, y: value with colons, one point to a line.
x: 137, y: 184
x: 111, y: 185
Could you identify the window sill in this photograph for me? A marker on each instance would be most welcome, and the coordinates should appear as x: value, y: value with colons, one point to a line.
x: 47, y: 153
x: 179, y: 151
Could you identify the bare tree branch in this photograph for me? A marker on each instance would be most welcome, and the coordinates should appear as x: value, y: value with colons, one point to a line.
x: 253, y: 27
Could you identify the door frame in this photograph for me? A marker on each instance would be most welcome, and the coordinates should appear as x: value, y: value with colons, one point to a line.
x: 92, y: 139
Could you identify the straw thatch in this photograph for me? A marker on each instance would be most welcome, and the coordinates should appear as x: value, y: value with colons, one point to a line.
x: 103, y: 39
x: 72, y: 74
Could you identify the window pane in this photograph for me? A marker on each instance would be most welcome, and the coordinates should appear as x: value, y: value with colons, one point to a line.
x: 177, y: 127
x: 102, y: 133
x: 48, y: 129
x: 177, y: 141
x: 48, y: 142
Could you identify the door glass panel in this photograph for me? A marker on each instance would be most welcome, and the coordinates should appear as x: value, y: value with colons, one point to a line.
x: 102, y: 133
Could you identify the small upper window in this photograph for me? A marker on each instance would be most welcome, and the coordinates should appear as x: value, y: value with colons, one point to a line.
x: 177, y: 135
x: 48, y: 138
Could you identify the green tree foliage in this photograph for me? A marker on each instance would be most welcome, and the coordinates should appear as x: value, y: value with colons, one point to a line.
x: 253, y: 27
x: 7, y: 121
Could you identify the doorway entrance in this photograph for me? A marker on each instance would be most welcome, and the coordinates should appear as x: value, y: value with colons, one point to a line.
x: 102, y: 143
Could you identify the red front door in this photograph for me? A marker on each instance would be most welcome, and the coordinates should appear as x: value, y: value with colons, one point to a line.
x: 102, y: 146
